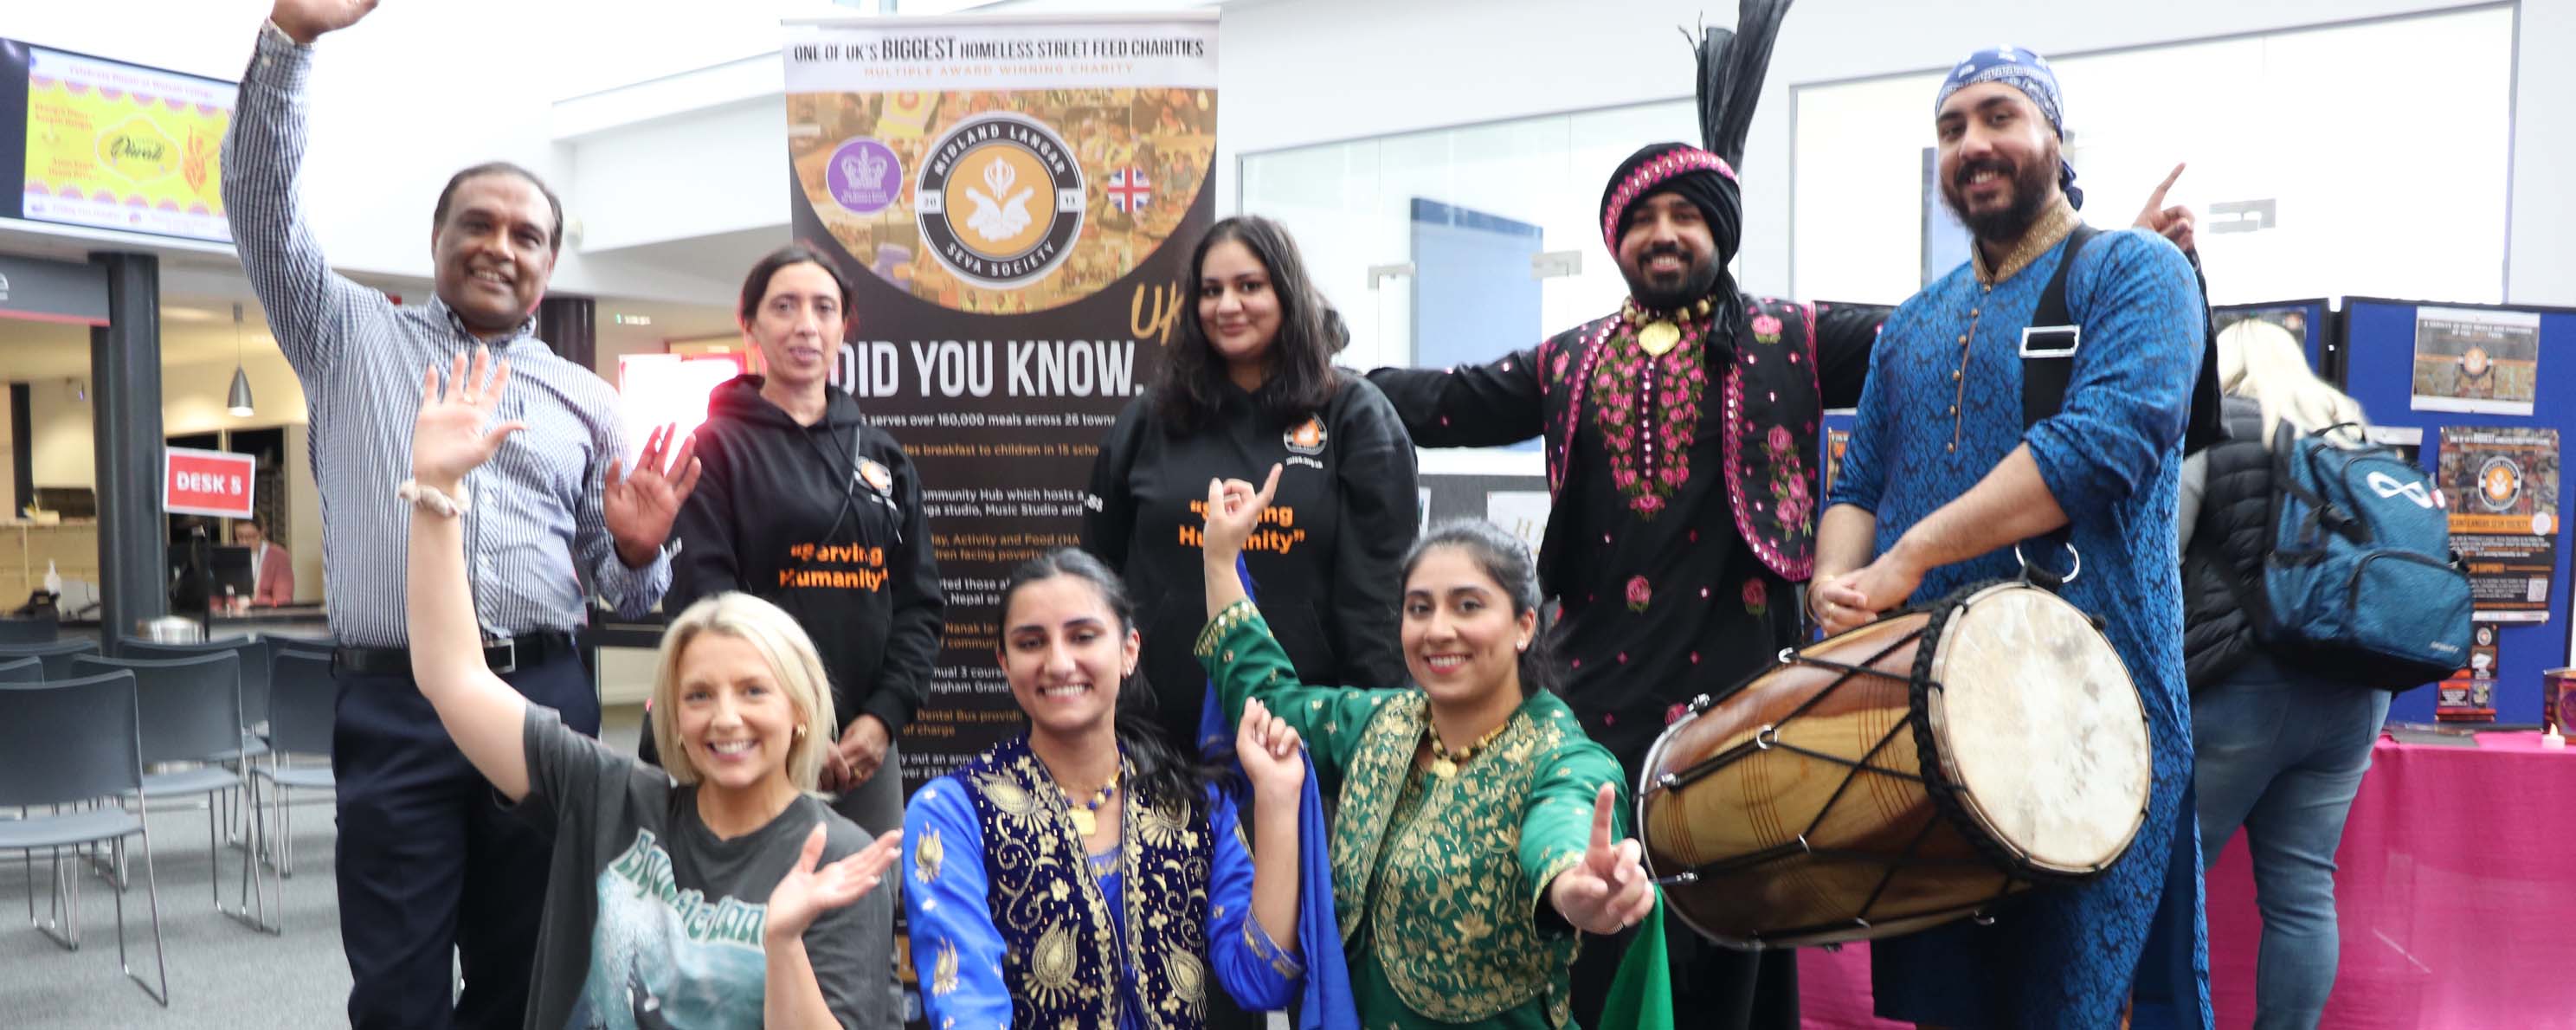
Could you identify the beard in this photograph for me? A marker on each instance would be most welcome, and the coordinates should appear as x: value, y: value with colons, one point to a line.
x: 2030, y: 190
x: 1662, y: 291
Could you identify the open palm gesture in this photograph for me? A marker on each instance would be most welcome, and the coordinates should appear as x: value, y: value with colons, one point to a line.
x: 806, y: 892
x: 640, y: 505
x: 451, y: 438
x: 1607, y: 892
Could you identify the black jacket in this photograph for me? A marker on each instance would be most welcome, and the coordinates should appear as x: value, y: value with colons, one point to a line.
x: 1325, y: 564
x: 2222, y: 570
x: 790, y: 514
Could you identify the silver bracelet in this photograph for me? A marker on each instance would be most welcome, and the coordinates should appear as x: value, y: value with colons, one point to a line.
x: 429, y: 499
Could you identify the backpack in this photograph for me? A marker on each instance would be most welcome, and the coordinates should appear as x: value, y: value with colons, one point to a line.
x: 2360, y: 584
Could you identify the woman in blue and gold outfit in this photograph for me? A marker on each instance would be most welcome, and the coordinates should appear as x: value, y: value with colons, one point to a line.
x: 1474, y: 840
x: 1082, y: 874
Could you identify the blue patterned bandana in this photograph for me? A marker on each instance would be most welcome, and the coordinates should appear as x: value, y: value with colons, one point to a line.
x: 2029, y: 73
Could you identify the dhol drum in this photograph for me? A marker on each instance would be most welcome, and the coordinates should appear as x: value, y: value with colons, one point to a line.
x: 1900, y: 775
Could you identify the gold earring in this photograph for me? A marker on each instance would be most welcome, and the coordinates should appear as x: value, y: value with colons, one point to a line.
x: 800, y: 733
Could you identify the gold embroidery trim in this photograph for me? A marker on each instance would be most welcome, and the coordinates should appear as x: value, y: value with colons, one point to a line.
x: 1235, y: 614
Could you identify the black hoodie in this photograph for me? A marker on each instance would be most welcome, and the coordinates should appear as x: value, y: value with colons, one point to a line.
x: 1326, y: 560
x: 789, y: 514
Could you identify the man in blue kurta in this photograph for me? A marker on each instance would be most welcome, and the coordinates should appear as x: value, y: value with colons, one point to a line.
x: 1941, y: 481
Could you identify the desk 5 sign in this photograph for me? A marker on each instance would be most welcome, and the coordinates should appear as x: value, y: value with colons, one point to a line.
x: 206, y: 483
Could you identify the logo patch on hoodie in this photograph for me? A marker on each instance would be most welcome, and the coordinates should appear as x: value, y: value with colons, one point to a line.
x: 1306, y: 437
x: 876, y: 476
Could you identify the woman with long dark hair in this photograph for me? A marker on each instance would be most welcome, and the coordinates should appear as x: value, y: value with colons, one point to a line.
x: 1250, y: 383
x: 804, y: 503
x: 1477, y: 836
x: 1084, y: 873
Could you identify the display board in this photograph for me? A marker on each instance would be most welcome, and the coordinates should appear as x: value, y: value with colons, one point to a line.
x: 96, y: 142
x: 2523, y: 355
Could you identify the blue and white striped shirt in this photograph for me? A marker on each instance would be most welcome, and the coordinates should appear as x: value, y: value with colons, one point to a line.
x: 536, y: 528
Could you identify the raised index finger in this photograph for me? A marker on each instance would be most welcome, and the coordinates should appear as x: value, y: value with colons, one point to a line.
x: 1602, y: 805
x: 2156, y: 200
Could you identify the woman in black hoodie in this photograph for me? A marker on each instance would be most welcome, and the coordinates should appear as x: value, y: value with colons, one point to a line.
x: 1251, y: 384
x: 804, y: 504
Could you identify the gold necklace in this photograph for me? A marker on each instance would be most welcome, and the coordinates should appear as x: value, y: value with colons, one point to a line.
x: 1445, y: 763
x: 1659, y: 333
x: 1086, y: 815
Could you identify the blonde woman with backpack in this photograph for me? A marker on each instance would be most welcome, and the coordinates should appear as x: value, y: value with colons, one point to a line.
x: 2277, y: 752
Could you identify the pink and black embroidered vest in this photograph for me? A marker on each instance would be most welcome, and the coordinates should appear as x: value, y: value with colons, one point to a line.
x: 1758, y: 389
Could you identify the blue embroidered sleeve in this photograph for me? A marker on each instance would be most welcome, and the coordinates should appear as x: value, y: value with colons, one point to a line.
x: 1260, y: 974
x: 956, y: 950
x: 2131, y: 390
x: 1858, y: 481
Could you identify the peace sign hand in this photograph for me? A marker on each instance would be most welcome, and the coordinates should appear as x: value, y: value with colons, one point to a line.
x: 1608, y: 891
x: 448, y: 439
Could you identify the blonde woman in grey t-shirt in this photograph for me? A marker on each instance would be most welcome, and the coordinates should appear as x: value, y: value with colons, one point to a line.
x: 730, y: 898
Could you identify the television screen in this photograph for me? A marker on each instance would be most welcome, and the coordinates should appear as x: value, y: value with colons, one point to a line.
x: 113, y: 145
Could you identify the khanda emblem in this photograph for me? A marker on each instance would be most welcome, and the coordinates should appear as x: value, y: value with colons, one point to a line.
x: 995, y: 218
x: 1000, y: 199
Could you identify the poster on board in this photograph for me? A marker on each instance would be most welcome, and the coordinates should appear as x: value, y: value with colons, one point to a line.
x: 2474, y: 360
x: 2502, y: 484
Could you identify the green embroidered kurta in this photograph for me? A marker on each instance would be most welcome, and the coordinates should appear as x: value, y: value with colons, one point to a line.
x: 1438, y: 883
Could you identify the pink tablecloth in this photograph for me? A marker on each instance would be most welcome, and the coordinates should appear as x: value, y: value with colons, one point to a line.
x: 2456, y: 897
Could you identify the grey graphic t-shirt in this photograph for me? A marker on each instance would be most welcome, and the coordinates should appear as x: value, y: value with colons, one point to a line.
x: 653, y: 922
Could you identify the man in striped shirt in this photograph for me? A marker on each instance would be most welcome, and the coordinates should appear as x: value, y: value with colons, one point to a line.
x: 427, y: 857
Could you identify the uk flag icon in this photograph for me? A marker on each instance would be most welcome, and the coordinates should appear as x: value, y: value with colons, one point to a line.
x: 1129, y: 190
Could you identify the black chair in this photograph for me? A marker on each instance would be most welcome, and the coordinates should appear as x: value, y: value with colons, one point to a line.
x: 57, y: 654
x: 21, y: 670
x: 68, y: 744
x: 29, y: 629
x: 254, y: 652
x: 191, y: 712
x: 302, y: 700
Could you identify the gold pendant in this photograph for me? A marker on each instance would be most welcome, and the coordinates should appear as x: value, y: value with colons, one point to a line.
x: 1444, y: 768
x: 1658, y: 336
x: 1084, y: 821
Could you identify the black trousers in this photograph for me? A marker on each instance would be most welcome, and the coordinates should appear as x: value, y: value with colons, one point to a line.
x: 429, y: 859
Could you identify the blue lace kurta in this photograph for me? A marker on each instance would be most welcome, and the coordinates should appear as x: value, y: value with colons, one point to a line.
x: 1931, y: 426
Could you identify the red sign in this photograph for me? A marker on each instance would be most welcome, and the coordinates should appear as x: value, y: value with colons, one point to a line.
x: 206, y: 483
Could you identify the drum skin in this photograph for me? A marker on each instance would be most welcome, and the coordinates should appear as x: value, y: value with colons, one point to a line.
x: 1839, y: 758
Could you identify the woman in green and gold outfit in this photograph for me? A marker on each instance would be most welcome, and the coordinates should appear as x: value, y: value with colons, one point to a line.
x: 1474, y: 843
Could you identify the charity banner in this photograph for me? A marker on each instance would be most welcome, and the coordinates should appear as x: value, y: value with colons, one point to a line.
x: 2502, y: 486
x: 1016, y: 199
x: 121, y: 146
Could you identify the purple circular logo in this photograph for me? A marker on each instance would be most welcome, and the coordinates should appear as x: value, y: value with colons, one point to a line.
x: 864, y: 176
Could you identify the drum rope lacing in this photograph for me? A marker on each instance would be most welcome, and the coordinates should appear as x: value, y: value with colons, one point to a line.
x: 1767, y: 738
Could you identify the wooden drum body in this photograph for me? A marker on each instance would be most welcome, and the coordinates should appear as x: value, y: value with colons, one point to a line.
x: 1903, y: 774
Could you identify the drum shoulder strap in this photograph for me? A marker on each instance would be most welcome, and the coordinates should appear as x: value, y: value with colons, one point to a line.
x: 2048, y: 349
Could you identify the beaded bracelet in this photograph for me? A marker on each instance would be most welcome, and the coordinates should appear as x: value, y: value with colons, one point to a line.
x: 428, y: 498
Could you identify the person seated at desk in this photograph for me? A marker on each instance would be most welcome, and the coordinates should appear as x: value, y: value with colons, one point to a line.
x: 272, y: 570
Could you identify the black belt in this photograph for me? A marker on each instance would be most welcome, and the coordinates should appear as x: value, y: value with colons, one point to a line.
x: 503, y: 656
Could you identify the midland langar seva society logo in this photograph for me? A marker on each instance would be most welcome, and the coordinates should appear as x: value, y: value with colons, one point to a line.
x: 1000, y: 200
